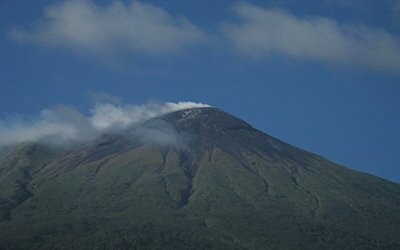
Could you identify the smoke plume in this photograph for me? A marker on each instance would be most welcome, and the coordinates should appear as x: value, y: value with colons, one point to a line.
x: 64, y: 125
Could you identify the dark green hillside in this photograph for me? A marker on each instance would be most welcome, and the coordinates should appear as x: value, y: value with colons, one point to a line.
x: 229, y: 186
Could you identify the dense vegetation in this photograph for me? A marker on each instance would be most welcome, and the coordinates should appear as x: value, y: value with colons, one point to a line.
x: 230, y: 187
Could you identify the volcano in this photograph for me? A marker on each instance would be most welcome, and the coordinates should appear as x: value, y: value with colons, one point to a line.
x: 203, y: 179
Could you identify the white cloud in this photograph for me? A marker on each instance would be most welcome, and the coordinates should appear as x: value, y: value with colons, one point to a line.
x: 137, y: 27
x: 107, y: 117
x: 63, y: 125
x: 59, y: 125
x: 262, y: 32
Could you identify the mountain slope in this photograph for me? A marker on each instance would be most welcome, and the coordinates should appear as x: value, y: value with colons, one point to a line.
x: 209, y: 180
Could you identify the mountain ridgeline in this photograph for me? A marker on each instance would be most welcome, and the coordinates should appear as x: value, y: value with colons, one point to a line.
x: 208, y: 180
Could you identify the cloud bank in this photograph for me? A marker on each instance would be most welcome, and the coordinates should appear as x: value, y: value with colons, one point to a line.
x: 138, y: 27
x: 64, y: 125
x: 261, y: 32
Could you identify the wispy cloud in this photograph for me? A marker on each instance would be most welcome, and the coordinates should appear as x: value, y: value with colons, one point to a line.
x: 64, y: 125
x: 396, y: 13
x: 103, y: 97
x: 84, y: 26
x: 261, y: 32
x: 110, y: 117
x: 138, y: 28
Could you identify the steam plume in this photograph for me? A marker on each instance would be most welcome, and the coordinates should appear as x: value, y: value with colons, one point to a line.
x: 63, y: 125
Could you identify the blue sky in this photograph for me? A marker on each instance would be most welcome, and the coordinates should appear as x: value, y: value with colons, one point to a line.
x: 321, y: 75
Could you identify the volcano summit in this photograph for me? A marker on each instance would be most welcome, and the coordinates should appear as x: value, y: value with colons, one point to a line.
x: 194, y: 179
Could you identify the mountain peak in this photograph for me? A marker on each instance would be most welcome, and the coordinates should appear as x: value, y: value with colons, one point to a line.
x: 208, y: 118
x: 230, y: 187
